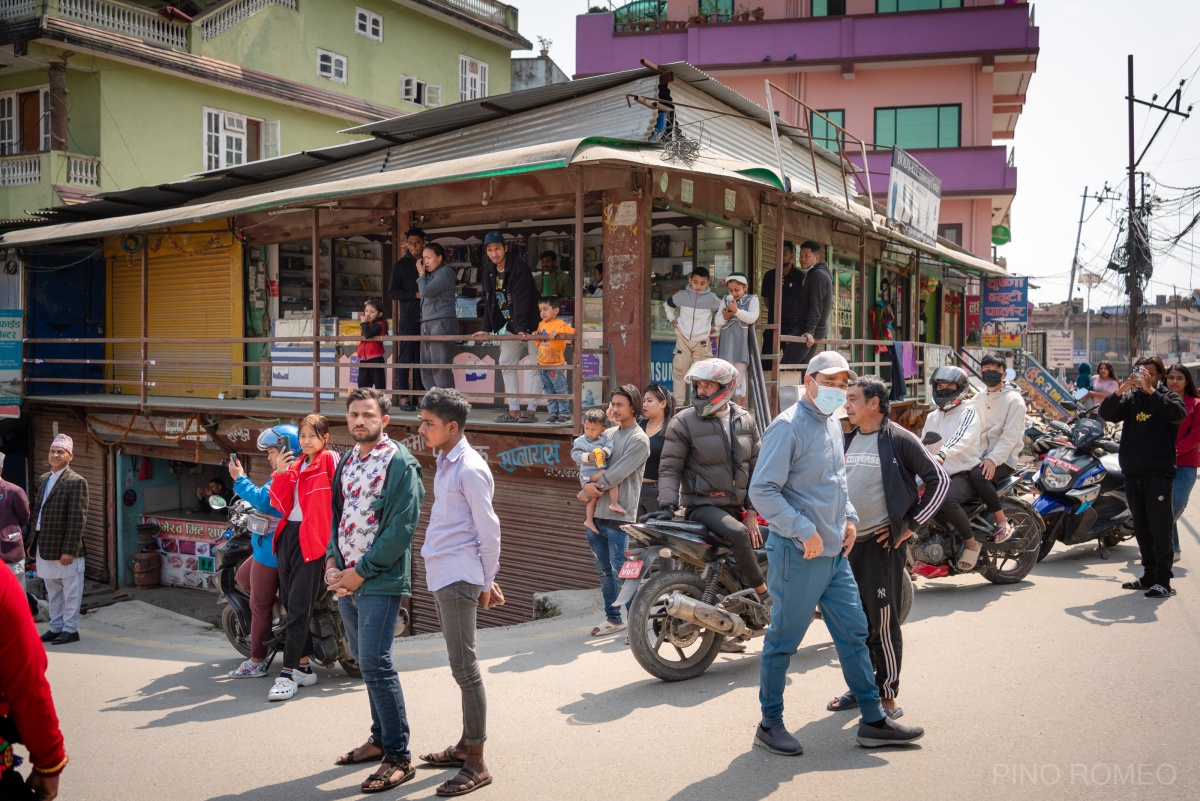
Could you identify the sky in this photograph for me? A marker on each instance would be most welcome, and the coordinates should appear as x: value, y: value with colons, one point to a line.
x: 1072, y: 133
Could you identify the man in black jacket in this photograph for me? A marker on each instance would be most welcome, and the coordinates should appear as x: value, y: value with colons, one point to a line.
x: 402, y: 288
x: 883, y: 463
x: 816, y: 300
x: 509, y: 307
x: 792, y: 296
x: 1150, y: 414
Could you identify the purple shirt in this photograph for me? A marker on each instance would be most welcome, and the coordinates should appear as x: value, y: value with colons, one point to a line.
x: 462, y: 541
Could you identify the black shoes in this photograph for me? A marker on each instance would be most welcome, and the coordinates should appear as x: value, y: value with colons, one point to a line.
x: 50, y: 636
x: 65, y: 638
x: 777, y: 740
x: 889, y: 732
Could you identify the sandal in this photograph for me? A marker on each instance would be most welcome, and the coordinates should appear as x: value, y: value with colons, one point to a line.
x: 1136, y: 584
x: 1003, y: 534
x: 609, y: 627
x: 465, y: 781
x: 385, y: 776
x: 966, y: 561
x: 442, y: 759
x: 842, y: 703
x: 348, y: 758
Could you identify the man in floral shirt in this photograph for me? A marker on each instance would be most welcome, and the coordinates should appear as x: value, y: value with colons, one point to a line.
x: 377, y: 494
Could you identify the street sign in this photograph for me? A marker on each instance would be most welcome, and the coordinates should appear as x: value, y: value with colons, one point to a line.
x: 914, y: 197
x: 1060, y: 349
x: 1001, y: 235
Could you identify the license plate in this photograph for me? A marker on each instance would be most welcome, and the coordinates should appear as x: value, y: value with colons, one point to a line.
x: 631, y: 569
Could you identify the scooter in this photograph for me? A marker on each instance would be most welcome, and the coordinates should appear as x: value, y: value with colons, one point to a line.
x: 1083, y: 491
x: 329, y: 636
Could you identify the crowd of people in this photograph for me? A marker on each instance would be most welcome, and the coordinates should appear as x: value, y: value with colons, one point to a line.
x: 839, y: 508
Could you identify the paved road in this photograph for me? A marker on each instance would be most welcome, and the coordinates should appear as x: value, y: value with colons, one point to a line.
x: 1063, y: 687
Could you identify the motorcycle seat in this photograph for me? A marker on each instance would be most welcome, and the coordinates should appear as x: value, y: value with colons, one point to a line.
x: 699, y: 529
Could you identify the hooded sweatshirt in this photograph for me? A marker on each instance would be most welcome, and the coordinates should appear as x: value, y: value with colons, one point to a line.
x: 960, y: 430
x: 694, y: 311
x: 1150, y: 427
x: 1084, y: 379
x: 1002, y: 421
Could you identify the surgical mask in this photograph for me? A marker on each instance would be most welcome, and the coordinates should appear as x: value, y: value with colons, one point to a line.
x: 829, y: 399
x: 993, y: 378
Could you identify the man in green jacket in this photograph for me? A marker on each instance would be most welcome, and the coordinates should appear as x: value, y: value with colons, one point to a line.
x: 377, y: 494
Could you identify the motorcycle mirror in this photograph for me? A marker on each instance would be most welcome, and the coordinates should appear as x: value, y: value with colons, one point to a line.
x: 1080, y: 393
x: 217, y: 502
x: 1010, y: 374
x: 931, y: 438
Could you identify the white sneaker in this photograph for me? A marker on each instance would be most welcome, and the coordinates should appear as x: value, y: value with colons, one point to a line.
x: 282, y: 689
x: 303, y: 679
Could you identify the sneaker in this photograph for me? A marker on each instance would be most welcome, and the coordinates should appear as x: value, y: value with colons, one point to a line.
x: 1176, y: 557
x: 730, y: 646
x: 890, y: 733
x: 564, y: 418
x: 50, y: 636
x: 508, y: 417
x: 407, y: 407
x: 777, y: 740
x: 303, y: 679
x: 528, y: 417
x: 248, y: 670
x: 283, y: 689
x: 1157, y: 591
x: 65, y: 638
x: 552, y: 418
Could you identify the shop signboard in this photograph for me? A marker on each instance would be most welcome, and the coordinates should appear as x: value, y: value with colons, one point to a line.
x: 1043, y: 383
x: 914, y: 197
x: 188, y: 550
x: 1004, y: 312
x: 1060, y: 349
x: 11, y: 325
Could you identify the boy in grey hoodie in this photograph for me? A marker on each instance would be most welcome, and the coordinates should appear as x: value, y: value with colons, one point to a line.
x: 692, y: 311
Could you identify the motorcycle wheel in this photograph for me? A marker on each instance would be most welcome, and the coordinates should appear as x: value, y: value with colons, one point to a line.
x: 1115, y: 537
x: 238, y: 638
x: 350, y: 665
x: 1011, y: 566
x: 1049, y: 537
x: 652, y: 631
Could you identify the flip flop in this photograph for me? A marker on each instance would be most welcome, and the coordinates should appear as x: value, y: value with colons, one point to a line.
x: 348, y: 757
x: 463, y: 782
x: 442, y: 759
x: 842, y: 703
x: 608, y: 628
x: 1003, y: 534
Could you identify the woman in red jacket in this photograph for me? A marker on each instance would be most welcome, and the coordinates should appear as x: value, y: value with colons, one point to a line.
x: 1187, y: 444
x: 26, y: 709
x: 301, y: 489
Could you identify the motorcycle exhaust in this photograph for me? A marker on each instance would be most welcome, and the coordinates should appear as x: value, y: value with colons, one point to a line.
x: 710, y: 617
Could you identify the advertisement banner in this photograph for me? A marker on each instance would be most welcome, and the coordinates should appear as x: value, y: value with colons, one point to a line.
x: 971, y: 320
x: 11, y: 325
x: 1004, y: 312
x: 914, y: 197
x: 1044, y: 384
x: 1060, y: 351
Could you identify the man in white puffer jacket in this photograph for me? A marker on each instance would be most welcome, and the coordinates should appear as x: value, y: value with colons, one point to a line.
x: 1002, y: 413
x: 958, y: 451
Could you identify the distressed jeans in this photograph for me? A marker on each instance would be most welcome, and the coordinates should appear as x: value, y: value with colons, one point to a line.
x: 370, y: 622
x: 457, y: 608
x: 608, y: 547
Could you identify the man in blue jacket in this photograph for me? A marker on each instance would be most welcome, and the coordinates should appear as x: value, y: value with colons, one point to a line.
x: 799, y: 487
x: 259, y: 575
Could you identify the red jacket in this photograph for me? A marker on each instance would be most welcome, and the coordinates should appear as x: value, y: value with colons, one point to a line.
x: 1187, y: 444
x: 24, y: 691
x: 372, y: 348
x: 316, y: 502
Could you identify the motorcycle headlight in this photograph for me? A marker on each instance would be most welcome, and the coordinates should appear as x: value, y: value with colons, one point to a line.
x: 1055, y: 478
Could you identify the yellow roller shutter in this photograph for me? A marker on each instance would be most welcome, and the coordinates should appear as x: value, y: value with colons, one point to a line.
x: 194, y: 292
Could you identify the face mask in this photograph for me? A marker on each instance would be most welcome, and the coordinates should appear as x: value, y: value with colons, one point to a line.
x: 829, y: 399
x: 993, y: 378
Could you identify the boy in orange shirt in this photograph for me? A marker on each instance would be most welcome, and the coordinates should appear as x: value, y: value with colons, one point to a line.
x: 551, y: 337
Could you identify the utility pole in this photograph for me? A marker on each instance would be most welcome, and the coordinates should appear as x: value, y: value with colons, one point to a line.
x: 1075, y: 260
x: 1090, y: 279
x: 1137, y: 268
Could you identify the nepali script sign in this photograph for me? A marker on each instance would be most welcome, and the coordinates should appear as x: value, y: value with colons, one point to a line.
x: 1004, y: 312
x: 914, y: 197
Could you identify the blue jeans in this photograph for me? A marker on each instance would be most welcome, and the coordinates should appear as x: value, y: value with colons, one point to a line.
x: 799, y: 586
x: 554, y: 382
x: 609, y: 549
x: 370, y: 622
x: 1185, y: 479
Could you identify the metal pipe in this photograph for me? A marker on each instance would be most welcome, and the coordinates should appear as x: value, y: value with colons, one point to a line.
x: 577, y: 356
x: 705, y: 615
x: 145, y: 333
x: 316, y: 309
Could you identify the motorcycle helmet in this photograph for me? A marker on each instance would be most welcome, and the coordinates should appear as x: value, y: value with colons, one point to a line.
x: 948, y: 399
x: 276, y: 436
x: 718, y: 370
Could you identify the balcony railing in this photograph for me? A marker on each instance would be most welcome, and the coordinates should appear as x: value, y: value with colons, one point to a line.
x: 83, y: 171
x: 130, y: 20
x: 229, y: 16
x: 23, y: 170
x: 16, y: 9
x: 496, y: 13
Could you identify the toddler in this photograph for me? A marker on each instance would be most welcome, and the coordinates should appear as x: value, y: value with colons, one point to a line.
x: 370, y: 350
x: 595, y: 441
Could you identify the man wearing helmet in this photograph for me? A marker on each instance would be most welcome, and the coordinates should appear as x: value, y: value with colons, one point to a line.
x: 708, y: 456
x: 259, y: 575
x: 957, y: 448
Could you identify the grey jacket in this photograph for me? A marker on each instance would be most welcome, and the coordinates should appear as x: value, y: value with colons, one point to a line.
x: 631, y: 448
x: 1002, y: 414
x: 799, y: 484
x: 437, y: 293
x: 702, y: 465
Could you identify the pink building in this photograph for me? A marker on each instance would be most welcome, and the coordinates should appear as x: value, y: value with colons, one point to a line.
x: 944, y: 79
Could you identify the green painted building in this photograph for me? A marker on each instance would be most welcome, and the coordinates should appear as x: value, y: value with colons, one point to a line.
x: 101, y: 95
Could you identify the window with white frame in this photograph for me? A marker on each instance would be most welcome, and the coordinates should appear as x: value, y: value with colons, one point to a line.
x: 232, y: 139
x: 368, y: 24
x: 25, y: 121
x: 472, y: 78
x: 331, y: 66
x: 414, y: 90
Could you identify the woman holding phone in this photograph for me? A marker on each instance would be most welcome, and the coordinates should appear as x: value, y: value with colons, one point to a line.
x: 301, y: 489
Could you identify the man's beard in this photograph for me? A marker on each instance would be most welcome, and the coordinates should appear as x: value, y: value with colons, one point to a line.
x: 367, y: 436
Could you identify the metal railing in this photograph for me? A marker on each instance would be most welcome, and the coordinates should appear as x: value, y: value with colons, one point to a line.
x: 131, y: 20
x: 863, y: 359
x: 229, y: 16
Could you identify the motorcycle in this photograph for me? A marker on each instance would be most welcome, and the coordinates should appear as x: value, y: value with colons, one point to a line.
x: 935, y: 547
x: 1083, y: 491
x: 329, y: 636
x: 688, y: 596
